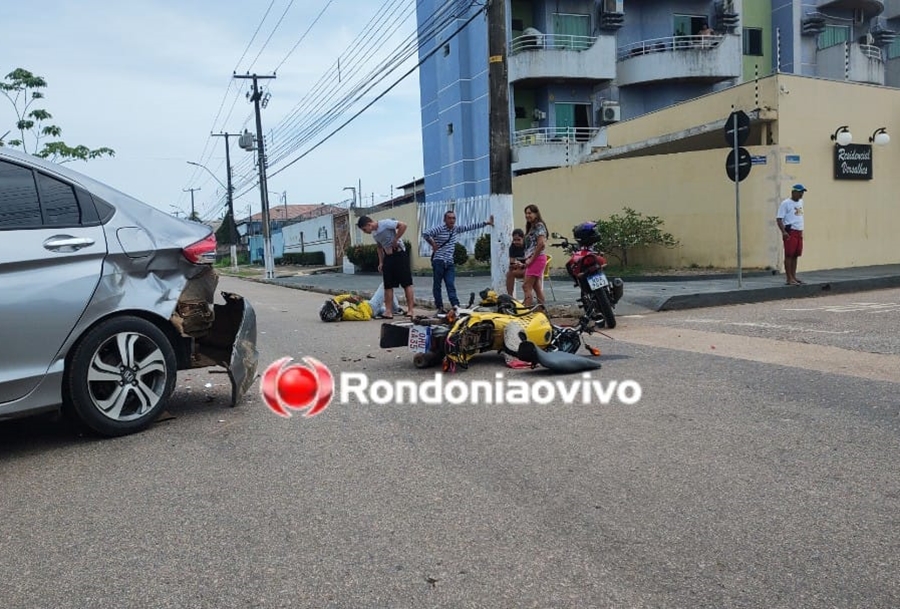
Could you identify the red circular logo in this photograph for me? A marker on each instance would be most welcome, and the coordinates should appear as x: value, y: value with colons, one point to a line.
x: 294, y: 387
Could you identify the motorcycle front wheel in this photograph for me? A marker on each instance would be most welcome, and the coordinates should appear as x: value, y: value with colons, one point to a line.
x: 568, y: 340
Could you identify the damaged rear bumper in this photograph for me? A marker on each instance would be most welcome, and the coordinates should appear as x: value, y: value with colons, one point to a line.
x: 218, y: 334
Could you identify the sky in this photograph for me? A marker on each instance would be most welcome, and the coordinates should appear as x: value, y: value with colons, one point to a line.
x: 152, y: 79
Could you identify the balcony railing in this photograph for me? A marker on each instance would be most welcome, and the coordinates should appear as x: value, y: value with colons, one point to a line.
x: 543, y: 42
x: 851, y: 61
x: 871, y: 51
x: 553, y: 135
x: 542, y: 57
x: 555, y: 147
x: 670, y: 44
x: 698, y: 59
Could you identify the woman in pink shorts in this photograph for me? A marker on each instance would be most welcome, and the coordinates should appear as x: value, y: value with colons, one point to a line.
x: 535, y: 259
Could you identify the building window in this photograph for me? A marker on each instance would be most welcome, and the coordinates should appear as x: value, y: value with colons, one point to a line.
x: 571, y: 32
x: 449, y: 128
x: 833, y: 35
x: 893, y: 49
x: 753, y: 44
x: 689, y: 25
x: 446, y: 50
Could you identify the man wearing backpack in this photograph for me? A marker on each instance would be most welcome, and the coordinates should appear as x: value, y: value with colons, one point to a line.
x: 442, y: 240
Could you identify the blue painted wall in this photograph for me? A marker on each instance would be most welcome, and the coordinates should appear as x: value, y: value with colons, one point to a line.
x: 453, y: 85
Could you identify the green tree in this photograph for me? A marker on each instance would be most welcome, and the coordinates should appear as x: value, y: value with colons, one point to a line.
x: 23, y: 89
x: 483, y: 248
x: 620, y: 234
x: 224, y: 233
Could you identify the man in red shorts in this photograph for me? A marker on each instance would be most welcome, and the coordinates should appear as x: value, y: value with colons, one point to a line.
x: 790, y: 222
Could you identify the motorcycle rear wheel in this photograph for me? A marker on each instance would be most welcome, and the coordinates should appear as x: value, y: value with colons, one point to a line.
x: 603, y: 303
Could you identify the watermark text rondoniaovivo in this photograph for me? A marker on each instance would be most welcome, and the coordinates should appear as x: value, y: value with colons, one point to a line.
x: 357, y: 387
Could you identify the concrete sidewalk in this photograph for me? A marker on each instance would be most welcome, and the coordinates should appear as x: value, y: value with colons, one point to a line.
x: 641, y: 294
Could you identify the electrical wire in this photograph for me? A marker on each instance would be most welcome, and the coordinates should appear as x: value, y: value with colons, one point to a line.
x: 303, y: 132
x: 436, y: 26
x: 303, y: 36
x: 274, y: 29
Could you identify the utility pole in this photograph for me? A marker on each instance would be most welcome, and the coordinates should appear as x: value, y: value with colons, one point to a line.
x: 232, y: 234
x: 255, y: 97
x: 501, y: 200
x: 193, y: 213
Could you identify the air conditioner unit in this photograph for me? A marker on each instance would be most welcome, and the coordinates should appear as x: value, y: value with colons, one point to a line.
x: 610, y: 112
x: 539, y: 114
x: 613, y: 6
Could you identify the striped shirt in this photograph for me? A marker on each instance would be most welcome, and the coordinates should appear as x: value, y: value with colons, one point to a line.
x: 446, y: 239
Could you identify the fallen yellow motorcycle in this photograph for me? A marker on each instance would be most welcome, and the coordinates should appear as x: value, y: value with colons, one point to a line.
x: 497, y: 324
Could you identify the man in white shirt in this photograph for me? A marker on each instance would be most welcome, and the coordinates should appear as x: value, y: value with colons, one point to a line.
x: 790, y: 222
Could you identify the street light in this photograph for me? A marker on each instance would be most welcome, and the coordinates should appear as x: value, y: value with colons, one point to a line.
x: 233, y: 230
x: 353, y: 190
x: 283, y: 197
x: 225, y: 188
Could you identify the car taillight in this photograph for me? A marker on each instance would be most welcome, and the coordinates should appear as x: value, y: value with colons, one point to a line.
x: 203, y: 251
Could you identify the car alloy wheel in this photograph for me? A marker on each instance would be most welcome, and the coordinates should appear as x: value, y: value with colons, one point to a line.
x: 121, y: 376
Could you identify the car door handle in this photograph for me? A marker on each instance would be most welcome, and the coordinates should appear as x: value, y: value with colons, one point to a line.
x: 67, y: 244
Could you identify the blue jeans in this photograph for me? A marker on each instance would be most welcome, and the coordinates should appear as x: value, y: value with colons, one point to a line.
x: 444, y: 272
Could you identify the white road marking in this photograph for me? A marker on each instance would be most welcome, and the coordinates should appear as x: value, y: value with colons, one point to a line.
x: 764, y: 325
x: 781, y: 327
x: 872, y: 307
x: 834, y: 360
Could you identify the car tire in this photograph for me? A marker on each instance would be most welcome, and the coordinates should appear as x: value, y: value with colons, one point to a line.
x: 120, y: 376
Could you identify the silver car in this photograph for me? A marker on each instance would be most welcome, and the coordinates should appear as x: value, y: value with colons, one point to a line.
x: 103, y: 299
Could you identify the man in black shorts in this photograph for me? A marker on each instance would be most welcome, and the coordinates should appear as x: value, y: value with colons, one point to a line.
x: 393, y: 259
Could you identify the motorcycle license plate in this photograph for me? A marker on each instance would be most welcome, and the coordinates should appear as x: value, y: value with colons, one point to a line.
x: 420, y: 339
x: 597, y: 281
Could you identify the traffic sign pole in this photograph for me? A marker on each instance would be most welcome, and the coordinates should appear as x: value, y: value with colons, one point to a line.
x: 737, y: 197
x: 737, y: 167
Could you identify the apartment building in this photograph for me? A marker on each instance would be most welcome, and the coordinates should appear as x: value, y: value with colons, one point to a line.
x: 575, y: 67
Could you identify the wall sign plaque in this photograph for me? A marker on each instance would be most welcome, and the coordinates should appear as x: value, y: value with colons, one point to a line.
x: 853, y: 162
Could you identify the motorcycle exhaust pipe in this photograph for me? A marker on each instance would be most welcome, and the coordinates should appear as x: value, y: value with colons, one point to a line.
x: 618, y: 289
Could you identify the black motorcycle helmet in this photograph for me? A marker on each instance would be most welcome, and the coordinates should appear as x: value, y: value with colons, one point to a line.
x: 585, y: 233
x: 330, y: 311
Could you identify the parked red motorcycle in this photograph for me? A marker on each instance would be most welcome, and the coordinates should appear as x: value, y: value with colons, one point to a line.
x: 586, y: 267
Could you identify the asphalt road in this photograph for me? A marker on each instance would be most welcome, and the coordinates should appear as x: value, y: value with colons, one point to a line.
x: 758, y: 470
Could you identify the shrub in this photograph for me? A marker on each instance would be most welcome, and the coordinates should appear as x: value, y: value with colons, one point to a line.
x: 366, y: 256
x: 460, y: 254
x: 619, y: 234
x: 363, y: 256
x: 305, y: 258
x: 483, y: 248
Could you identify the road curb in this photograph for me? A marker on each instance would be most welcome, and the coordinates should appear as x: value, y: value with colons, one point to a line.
x: 752, y: 296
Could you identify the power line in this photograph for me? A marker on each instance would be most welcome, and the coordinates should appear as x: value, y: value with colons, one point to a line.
x: 303, y: 36
x: 249, y: 44
x: 274, y: 29
x: 311, y: 127
x: 367, y: 106
x: 382, y: 94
